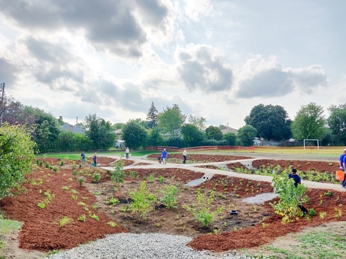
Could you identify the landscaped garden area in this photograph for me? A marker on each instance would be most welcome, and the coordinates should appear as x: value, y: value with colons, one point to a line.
x: 64, y: 203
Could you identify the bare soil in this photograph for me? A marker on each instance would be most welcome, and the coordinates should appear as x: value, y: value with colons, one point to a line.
x: 253, y: 226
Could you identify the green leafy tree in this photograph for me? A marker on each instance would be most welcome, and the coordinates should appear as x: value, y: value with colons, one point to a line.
x: 16, y: 156
x: 197, y: 121
x: 171, y: 120
x: 213, y: 133
x: 231, y: 138
x: 134, y: 135
x: 271, y: 122
x: 337, y: 122
x: 247, y: 134
x: 154, y: 137
x: 192, y: 135
x: 46, y: 132
x: 100, y: 132
x: 152, y: 116
x: 309, y: 122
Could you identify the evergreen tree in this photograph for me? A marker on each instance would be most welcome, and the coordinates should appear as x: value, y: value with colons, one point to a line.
x: 152, y: 116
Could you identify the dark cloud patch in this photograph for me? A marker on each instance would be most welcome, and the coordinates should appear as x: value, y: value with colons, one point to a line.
x: 108, y: 25
x: 268, y: 83
x: 204, y: 72
x: 153, y: 11
x: 277, y: 82
x: 7, y: 73
x: 49, y: 76
x: 46, y: 51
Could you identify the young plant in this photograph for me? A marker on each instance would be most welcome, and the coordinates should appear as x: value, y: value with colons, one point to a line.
x: 42, y: 205
x: 81, y: 180
x: 169, y: 196
x: 82, y: 218
x: 161, y: 179
x: 117, y: 174
x: 202, y: 212
x: 64, y: 221
x: 96, y: 177
x: 151, y: 178
x: 94, y: 216
x: 290, y: 198
x: 112, y: 224
x: 142, y: 200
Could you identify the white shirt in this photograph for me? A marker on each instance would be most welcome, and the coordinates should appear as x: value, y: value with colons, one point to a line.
x: 184, y: 153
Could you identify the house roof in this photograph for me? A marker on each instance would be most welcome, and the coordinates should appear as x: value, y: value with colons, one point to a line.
x: 229, y: 129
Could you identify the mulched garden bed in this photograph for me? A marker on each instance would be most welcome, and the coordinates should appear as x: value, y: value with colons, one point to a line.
x: 200, y: 158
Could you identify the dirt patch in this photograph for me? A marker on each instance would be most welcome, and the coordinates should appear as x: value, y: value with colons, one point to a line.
x: 301, y: 165
x: 209, y: 166
x: 41, y: 230
x: 331, y: 207
x: 176, y: 220
x: 234, y: 166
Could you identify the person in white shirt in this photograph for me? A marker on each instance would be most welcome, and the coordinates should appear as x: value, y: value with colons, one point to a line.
x: 184, y: 156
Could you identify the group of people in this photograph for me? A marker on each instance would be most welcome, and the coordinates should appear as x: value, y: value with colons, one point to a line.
x: 94, y: 163
x: 163, y: 157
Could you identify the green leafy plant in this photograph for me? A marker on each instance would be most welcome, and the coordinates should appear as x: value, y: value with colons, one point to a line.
x: 202, y: 212
x: 112, y: 224
x: 96, y: 177
x: 328, y: 193
x: 290, y: 197
x: 16, y: 156
x: 64, y: 221
x: 112, y: 201
x: 169, y: 196
x: 151, y: 178
x: 134, y: 174
x: 82, y: 203
x: 161, y: 179
x: 82, y: 218
x: 117, y: 174
x: 142, y: 200
x: 65, y: 188
x: 42, y: 205
x: 81, y: 180
x: 94, y: 216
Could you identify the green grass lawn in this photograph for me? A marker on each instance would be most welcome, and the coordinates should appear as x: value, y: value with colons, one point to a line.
x: 76, y: 156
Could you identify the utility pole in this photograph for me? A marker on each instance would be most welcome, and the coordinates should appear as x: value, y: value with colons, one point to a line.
x: 2, y: 106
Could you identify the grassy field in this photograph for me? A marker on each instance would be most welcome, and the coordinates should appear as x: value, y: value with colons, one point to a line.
x: 295, y: 152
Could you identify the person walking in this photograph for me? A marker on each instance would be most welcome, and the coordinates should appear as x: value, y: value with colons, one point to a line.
x: 94, y: 160
x: 341, y: 159
x: 295, y: 177
x: 127, y: 152
x: 344, y: 169
x: 184, y: 156
x: 164, y: 156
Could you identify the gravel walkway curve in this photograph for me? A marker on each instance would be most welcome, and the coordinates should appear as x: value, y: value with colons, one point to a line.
x: 135, y: 246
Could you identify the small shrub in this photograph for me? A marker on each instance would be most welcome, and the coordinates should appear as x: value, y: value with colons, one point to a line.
x: 41, y: 205
x: 169, y: 196
x: 142, y: 200
x: 112, y: 224
x: 96, y: 177
x: 81, y: 180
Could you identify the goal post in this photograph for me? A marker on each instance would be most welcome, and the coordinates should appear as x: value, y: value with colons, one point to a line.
x: 318, y: 142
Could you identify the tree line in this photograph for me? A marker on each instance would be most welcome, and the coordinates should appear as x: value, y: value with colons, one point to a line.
x: 173, y: 128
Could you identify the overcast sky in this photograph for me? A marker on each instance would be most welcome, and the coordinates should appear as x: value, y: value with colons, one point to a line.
x: 216, y: 59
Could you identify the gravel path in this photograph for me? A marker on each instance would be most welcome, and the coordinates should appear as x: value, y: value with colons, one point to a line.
x: 134, y: 246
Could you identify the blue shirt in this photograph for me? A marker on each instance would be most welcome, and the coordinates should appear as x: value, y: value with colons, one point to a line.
x: 342, y: 158
x: 164, y: 154
x: 296, y: 179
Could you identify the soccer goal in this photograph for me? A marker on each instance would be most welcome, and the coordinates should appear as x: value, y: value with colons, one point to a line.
x: 318, y: 142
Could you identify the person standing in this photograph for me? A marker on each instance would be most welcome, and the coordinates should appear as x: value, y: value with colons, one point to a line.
x: 94, y: 160
x: 184, y: 156
x: 82, y: 158
x: 127, y: 152
x: 164, y: 156
x: 343, y: 167
x: 341, y: 159
x: 295, y: 177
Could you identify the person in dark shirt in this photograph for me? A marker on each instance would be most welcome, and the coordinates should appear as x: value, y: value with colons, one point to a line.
x: 295, y: 177
x: 82, y: 158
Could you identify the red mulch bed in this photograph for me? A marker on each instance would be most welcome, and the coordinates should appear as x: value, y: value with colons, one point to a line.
x: 142, y: 163
x: 239, y: 186
x: 184, y: 175
x: 257, y: 235
x: 201, y: 157
x: 41, y: 229
x: 318, y: 166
